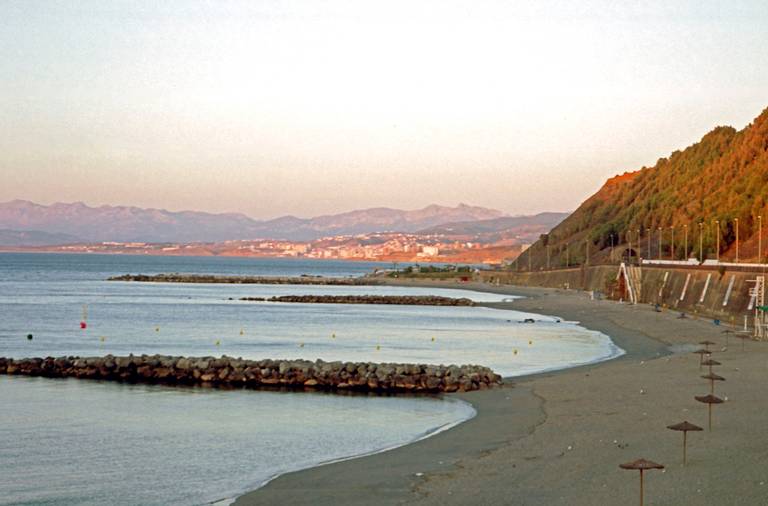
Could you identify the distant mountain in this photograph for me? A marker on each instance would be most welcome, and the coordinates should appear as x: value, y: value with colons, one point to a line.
x: 502, y: 224
x: 708, y: 187
x: 34, y: 238
x: 379, y: 219
x: 120, y: 223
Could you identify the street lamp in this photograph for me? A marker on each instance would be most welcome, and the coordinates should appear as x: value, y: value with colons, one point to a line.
x: 547, y: 256
x: 639, y: 246
x: 672, y: 253
x: 737, y: 239
x: 717, y: 247
x: 701, y: 242
x: 759, y: 239
x: 650, y: 253
x: 685, y: 227
x: 629, y: 248
x: 611, y: 246
x: 661, y: 240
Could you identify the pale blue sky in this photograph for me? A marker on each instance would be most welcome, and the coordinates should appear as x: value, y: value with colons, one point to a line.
x: 280, y: 107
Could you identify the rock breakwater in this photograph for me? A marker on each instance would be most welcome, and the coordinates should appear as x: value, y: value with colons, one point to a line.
x: 244, y: 280
x: 410, y: 300
x: 237, y: 372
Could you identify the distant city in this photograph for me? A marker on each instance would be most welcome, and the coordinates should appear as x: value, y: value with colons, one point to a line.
x: 392, y: 247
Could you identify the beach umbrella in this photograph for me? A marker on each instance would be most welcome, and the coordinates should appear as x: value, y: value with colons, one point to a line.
x: 743, y: 336
x: 701, y: 354
x: 641, y: 465
x: 707, y: 344
x: 712, y: 378
x: 684, y: 427
x: 726, y: 332
x: 709, y: 400
x: 710, y: 362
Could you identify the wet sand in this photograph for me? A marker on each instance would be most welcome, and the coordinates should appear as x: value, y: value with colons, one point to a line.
x: 558, y: 438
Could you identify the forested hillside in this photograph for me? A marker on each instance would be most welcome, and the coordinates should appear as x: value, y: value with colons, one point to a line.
x: 722, y: 178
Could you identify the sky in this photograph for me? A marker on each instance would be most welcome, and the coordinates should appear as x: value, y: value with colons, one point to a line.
x: 320, y: 106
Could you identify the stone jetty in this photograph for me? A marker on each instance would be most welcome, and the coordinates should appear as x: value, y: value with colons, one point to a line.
x: 237, y: 372
x: 410, y: 300
x: 244, y: 280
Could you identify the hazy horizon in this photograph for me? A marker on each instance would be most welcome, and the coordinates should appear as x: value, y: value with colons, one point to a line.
x: 310, y: 108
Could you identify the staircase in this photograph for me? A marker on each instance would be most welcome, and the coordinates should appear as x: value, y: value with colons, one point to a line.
x: 633, y: 279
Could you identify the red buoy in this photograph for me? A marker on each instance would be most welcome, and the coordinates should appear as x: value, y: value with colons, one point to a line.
x: 83, y: 325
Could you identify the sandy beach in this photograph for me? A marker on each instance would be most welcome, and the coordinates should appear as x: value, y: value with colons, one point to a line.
x: 558, y: 438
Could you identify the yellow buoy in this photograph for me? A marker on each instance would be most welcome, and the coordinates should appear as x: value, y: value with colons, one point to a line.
x: 102, y: 339
x: 242, y: 332
x: 530, y: 342
x: 433, y: 339
x: 157, y: 329
x: 378, y: 347
x: 301, y: 345
x: 333, y: 336
x: 515, y: 351
x: 218, y: 342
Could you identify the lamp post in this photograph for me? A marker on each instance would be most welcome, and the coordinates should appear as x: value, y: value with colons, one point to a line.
x: 650, y: 253
x: 661, y: 240
x: 737, y: 239
x: 629, y: 248
x: 611, y: 246
x: 547, y: 256
x: 717, y: 246
x: 760, y: 239
x: 586, y: 251
x: 672, y: 253
x: 685, y: 227
x: 701, y: 242
x: 639, y: 246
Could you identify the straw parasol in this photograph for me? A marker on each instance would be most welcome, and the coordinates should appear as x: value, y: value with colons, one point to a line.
x: 684, y: 427
x: 701, y: 354
x: 743, y: 336
x: 707, y: 344
x: 712, y: 378
x: 726, y: 332
x: 709, y: 400
x: 710, y: 362
x: 641, y: 465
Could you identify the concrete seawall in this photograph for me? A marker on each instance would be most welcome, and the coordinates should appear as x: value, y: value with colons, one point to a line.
x: 718, y: 294
x: 236, y: 372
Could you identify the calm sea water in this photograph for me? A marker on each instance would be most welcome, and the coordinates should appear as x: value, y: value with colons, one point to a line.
x: 156, y: 445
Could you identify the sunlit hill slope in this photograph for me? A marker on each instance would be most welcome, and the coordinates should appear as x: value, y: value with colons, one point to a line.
x: 722, y: 178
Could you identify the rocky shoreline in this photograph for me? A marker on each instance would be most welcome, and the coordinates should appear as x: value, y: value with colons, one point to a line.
x: 237, y: 372
x: 244, y: 280
x: 409, y: 300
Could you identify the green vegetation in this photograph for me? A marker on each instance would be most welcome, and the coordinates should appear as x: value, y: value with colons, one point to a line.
x: 432, y: 272
x: 722, y: 178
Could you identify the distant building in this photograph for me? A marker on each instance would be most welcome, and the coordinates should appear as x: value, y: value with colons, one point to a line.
x: 430, y: 251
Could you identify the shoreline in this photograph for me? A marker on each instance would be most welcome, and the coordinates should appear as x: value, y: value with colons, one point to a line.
x: 472, y: 438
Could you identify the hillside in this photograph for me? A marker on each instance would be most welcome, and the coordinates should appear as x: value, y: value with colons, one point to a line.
x: 723, y: 177
x: 122, y: 223
x: 34, y: 238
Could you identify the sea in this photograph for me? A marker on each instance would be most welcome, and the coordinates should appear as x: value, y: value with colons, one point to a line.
x: 92, y: 442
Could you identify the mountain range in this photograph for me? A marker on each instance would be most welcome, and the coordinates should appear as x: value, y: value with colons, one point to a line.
x: 707, y: 195
x: 23, y: 220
